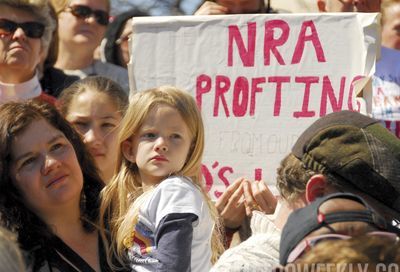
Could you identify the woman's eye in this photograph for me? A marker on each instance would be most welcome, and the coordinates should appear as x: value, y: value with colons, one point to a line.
x: 28, y: 162
x: 56, y: 146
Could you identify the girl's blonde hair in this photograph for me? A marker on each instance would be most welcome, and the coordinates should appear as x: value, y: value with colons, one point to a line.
x: 126, y: 185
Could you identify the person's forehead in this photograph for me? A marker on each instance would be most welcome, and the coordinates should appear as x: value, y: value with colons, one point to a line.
x: 37, y: 132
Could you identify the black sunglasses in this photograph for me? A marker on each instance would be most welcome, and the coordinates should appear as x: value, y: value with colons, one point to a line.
x: 31, y: 29
x: 82, y: 12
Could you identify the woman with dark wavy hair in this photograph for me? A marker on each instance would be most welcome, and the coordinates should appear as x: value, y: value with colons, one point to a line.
x: 49, y: 189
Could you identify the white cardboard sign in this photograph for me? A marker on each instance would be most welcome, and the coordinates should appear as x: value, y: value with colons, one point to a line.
x: 259, y: 80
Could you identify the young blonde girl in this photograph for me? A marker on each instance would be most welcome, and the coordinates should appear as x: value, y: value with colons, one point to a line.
x: 160, y: 217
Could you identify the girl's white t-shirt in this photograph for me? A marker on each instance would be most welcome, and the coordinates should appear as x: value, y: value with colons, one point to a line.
x: 173, y: 195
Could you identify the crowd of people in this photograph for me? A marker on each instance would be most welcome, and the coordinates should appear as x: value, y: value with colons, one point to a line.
x: 95, y: 178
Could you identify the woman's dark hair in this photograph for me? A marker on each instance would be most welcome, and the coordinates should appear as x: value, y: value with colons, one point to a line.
x: 113, y: 32
x: 33, y: 233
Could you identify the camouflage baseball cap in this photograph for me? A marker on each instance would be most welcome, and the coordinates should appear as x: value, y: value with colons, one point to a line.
x: 356, y: 148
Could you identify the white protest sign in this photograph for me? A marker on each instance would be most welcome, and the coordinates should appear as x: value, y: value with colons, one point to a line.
x: 259, y: 80
x: 386, y: 90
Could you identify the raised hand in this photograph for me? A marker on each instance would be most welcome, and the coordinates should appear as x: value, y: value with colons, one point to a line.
x: 258, y: 197
x: 230, y: 204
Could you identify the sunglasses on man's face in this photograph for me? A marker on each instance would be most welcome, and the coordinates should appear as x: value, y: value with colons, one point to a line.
x: 31, y: 29
x: 83, y: 12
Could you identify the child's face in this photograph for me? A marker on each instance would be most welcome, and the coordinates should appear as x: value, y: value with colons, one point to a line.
x: 97, y: 119
x: 161, y: 146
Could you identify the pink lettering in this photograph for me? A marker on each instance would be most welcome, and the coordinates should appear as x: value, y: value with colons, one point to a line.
x: 240, y: 97
x: 327, y: 91
x: 222, y: 86
x: 207, y: 177
x: 380, y: 91
x: 203, y: 85
x: 303, y: 38
x: 278, y: 91
x: 255, y: 89
x: 351, y: 92
x: 306, y: 98
x: 271, y: 44
x: 221, y: 175
x: 246, y: 55
x: 258, y: 174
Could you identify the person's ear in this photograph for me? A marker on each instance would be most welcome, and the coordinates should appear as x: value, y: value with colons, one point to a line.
x: 321, y: 5
x: 128, y: 150
x: 316, y: 187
